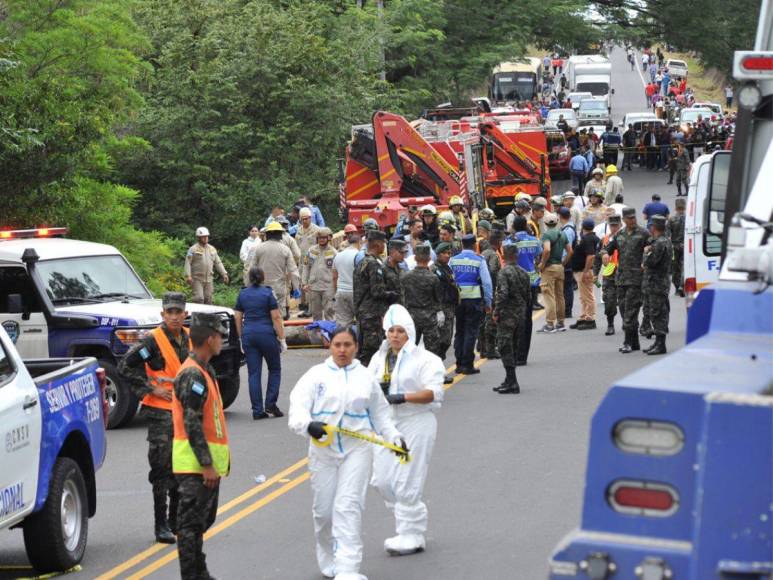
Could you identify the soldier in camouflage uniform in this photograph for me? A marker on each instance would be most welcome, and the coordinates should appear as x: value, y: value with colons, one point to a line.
x: 657, y: 274
x: 200, y: 456
x: 608, y: 272
x: 422, y: 298
x: 629, y: 243
x: 484, y: 236
x: 372, y: 296
x: 487, y: 336
x: 449, y: 298
x: 144, y: 368
x: 513, y: 292
x: 682, y: 164
x: 675, y: 232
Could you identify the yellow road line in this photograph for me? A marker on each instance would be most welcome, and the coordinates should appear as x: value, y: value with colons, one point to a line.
x: 227, y: 523
x: 155, y: 548
x: 279, y: 477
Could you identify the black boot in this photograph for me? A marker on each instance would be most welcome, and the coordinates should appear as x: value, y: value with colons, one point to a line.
x: 635, y: 341
x: 626, y: 348
x: 512, y: 387
x: 163, y: 534
x: 659, y: 347
x: 509, y: 378
x: 610, y: 326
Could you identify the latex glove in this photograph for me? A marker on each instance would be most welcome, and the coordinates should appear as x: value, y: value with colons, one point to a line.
x: 316, y: 429
x: 396, y: 399
x: 282, y: 346
x: 441, y: 318
x: 400, y: 442
x: 295, y: 294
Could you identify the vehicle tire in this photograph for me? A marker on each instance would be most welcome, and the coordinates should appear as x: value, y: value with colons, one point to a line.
x: 55, y: 537
x: 121, y: 402
x: 229, y: 389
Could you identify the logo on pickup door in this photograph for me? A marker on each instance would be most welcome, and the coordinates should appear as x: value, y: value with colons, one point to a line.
x: 17, y: 438
x: 12, y: 328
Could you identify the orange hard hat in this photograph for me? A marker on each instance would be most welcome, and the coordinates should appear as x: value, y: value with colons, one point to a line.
x: 350, y: 229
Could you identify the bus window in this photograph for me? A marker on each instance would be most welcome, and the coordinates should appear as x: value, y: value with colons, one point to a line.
x: 715, y: 206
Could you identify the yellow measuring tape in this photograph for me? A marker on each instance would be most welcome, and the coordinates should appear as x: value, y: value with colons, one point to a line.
x: 403, y: 456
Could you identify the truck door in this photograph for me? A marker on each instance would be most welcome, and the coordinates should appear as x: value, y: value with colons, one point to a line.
x: 20, y: 444
x: 21, y: 313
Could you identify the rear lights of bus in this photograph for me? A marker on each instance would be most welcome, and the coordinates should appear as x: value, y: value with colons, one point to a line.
x: 643, y: 498
x: 648, y: 437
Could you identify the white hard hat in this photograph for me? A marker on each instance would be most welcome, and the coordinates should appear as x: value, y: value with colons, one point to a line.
x: 202, y: 231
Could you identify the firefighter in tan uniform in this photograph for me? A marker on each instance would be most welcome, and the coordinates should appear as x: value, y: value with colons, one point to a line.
x: 306, y: 236
x: 200, y: 263
x: 317, y: 276
x: 278, y: 265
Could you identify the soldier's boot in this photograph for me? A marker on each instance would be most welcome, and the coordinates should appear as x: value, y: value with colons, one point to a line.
x: 659, y: 347
x: 505, y: 383
x: 163, y: 534
x: 635, y: 345
x: 610, y: 326
x: 626, y: 348
x: 511, y: 386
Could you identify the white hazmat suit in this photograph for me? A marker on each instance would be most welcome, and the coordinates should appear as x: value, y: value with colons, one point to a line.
x: 348, y: 397
x: 402, y: 485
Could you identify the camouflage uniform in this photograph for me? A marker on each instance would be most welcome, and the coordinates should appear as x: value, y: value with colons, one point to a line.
x: 513, y: 292
x: 422, y: 298
x: 198, y: 503
x: 487, y: 336
x: 373, y: 294
x: 630, y: 245
x: 608, y: 285
x: 160, y: 430
x: 675, y: 231
x: 657, y: 272
x: 682, y: 164
x: 449, y: 300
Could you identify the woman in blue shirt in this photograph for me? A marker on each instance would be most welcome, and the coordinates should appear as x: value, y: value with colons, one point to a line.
x: 261, y: 330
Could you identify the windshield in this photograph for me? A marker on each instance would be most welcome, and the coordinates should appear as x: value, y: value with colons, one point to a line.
x: 691, y: 116
x: 677, y: 63
x: 556, y: 113
x: 595, y: 89
x: 593, y: 106
x: 90, y: 278
x: 514, y: 86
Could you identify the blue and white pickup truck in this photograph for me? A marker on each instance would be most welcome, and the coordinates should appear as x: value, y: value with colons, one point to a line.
x: 53, y: 415
x: 68, y: 298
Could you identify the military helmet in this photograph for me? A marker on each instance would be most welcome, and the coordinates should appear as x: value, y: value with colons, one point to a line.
x: 370, y: 225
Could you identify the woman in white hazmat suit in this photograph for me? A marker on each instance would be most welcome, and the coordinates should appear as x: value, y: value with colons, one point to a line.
x: 344, y: 393
x: 412, y: 380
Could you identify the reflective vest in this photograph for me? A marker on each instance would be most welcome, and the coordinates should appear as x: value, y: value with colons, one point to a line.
x: 163, y: 378
x: 213, y: 423
x: 467, y: 273
x: 609, y: 269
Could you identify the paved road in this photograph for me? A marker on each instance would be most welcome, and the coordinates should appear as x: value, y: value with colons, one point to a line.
x: 505, y: 483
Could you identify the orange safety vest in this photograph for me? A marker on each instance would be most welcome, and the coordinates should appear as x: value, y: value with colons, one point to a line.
x: 165, y: 377
x: 213, y: 423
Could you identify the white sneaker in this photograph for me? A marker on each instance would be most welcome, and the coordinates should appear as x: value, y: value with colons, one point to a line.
x: 404, y: 545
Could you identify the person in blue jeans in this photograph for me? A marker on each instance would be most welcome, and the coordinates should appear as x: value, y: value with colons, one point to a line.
x: 260, y: 327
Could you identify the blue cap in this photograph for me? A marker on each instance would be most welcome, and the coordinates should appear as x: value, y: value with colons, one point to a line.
x: 564, y: 212
x: 588, y: 224
x: 468, y: 238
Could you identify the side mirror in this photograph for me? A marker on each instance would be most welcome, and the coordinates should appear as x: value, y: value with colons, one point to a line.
x: 15, y: 305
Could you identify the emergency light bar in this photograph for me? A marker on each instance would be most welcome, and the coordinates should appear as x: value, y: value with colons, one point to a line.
x: 33, y: 233
x: 752, y: 65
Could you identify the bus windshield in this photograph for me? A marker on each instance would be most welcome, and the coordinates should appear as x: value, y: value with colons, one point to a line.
x: 514, y: 86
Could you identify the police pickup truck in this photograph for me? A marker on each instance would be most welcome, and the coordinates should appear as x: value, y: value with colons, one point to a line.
x: 70, y: 298
x: 52, y: 418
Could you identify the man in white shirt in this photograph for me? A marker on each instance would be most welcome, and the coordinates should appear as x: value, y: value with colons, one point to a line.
x: 245, y: 253
x: 343, y: 282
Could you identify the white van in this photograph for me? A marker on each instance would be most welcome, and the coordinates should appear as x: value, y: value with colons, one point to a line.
x: 703, y: 223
